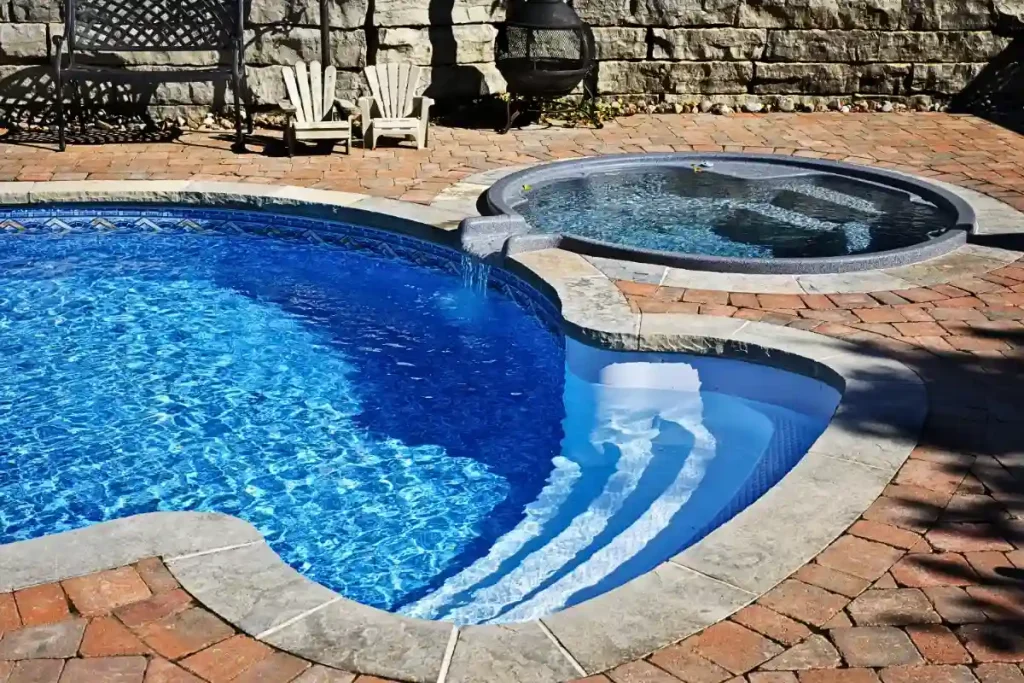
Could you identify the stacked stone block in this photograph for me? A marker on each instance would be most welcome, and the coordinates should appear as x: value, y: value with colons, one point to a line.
x: 669, y: 49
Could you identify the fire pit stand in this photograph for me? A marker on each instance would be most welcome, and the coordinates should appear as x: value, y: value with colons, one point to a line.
x: 544, y: 51
x: 517, y: 106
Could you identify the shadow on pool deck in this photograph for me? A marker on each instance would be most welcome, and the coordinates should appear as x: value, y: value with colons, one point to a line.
x: 970, y: 459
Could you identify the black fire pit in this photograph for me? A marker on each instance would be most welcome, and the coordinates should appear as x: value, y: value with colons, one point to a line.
x: 543, y: 50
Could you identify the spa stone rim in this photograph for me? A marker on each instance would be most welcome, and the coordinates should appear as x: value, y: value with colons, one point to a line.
x: 502, y: 198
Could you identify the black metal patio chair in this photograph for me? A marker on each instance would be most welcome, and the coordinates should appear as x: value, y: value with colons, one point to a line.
x: 94, y: 29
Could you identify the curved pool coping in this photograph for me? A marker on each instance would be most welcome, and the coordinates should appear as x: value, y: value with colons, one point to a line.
x: 225, y: 563
x: 510, y: 191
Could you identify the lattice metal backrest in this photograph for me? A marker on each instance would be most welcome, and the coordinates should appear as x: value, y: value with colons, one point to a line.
x: 127, y: 25
x: 521, y: 42
x: 394, y: 88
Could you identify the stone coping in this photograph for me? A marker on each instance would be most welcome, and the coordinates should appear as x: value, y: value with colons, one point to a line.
x: 376, y: 212
x: 509, y: 193
x: 226, y: 565
x: 992, y: 217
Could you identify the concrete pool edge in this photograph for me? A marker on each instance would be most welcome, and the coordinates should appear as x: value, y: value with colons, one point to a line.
x: 504, y: 196
x: 226, y: 565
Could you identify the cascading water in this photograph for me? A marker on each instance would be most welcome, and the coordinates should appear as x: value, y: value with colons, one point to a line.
x: 475, y: 274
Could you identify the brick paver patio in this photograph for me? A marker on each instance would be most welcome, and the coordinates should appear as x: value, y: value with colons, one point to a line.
x: 960, y: 149
x: 928, y: 586
x: 130, y: 625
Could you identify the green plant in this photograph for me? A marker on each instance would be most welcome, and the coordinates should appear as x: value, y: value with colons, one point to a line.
x: 575, y: 111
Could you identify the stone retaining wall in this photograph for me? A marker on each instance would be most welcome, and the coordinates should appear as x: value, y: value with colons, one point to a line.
x: 672, y: 49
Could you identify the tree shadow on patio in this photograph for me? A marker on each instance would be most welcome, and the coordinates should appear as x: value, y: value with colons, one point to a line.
x: 1010, y: 241
x: 119, y: 103
x: 997, y: 93
x: 963, y: 489
x: 112, y: 113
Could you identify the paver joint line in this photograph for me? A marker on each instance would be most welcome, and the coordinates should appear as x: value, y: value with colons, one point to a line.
x: 869, y: 466
x: 297, y: 618
x: 678, y: 565
x: 449, y: 652
x: 561, y: 648
x: 211, y: 551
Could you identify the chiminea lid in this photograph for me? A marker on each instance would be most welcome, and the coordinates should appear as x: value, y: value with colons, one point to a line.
x: 552, y: 14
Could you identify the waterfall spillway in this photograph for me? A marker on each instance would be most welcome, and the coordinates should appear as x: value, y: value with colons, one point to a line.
x: 475, y: 274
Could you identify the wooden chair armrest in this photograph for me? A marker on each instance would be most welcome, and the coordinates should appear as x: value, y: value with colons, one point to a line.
x: 287, y: 106
x: 421, y: 105
x: 367, y: 106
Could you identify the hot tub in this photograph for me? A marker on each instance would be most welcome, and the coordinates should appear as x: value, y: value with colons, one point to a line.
x: 723, y: 212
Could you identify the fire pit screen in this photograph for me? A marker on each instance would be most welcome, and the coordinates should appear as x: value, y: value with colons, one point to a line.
x: 543, y: 50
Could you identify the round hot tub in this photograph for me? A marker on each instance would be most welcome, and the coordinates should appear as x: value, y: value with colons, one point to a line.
x: 740, y: 213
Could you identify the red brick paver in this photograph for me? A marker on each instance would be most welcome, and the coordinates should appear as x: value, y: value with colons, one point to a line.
x: 41, y: 605
x: 100, y: 593
x: 226, y: 660
x: 166, y: 638
x: 108, y: 637
x: 9, y: 618
x: 938, y: 644
x: 184, y: 633
x: 804, y: 602
x: 734, y: 647
x: 772, y: 624
x: 155, y: 608
x: 156, y: 575
x: 162, y: 671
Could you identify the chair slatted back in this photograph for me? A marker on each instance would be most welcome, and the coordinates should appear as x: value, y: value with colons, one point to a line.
x: 311, y: 90
x: 394, y: 88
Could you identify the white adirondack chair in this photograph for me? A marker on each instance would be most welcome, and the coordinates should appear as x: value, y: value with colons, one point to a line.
x: 314, y: 112
x: 394, y: 110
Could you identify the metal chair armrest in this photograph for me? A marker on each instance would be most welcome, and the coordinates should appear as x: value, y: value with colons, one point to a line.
x: 58, y: 50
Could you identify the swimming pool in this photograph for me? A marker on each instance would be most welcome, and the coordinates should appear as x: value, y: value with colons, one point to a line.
x: 733, y: 212
x: 407, y: 438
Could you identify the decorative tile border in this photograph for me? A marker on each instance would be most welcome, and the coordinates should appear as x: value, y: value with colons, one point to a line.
x: 414, y: 233
x: 227, y: 566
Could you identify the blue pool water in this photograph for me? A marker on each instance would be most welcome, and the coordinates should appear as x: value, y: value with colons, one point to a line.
x: 412, y: 442
x: 771, y: 213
